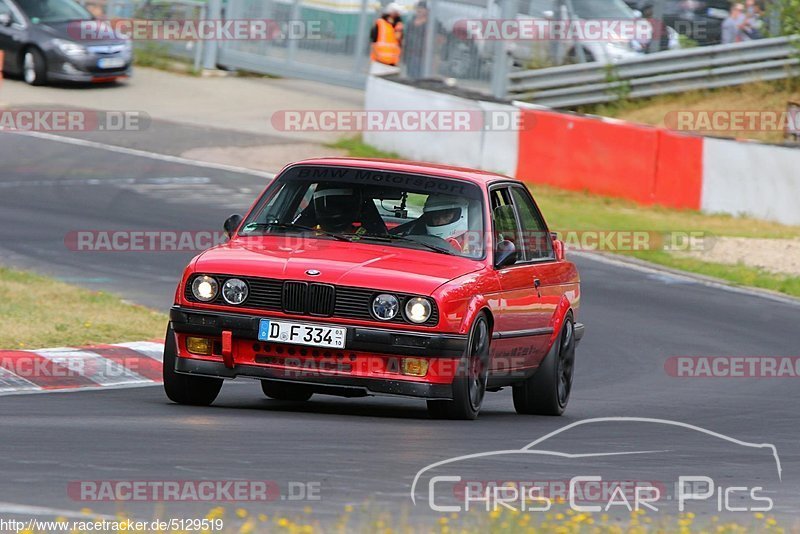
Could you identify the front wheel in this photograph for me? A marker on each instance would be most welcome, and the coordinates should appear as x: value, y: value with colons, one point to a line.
x: 469, y: 385
x: 34, y: 67
x: 547, y: 391
x: 186, y: 389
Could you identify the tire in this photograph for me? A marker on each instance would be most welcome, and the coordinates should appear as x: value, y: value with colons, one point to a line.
x: 34, y: 67
x: 469, y: 385
x: 186, y: 389
x: 286, y: 392
x: 547, y: 391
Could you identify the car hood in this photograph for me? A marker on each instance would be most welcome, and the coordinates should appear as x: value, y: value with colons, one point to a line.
x: 390, y: 268
x: 70, y: 31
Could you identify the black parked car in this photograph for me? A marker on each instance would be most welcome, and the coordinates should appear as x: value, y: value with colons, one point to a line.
x: 700, y: 20
x: 42, y: 42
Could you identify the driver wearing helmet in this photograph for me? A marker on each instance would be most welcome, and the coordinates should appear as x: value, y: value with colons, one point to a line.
x: 446, y: 217
x: 337, y: 208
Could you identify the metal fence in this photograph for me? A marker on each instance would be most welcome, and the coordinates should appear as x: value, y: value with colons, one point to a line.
x: 339, y: 53
x: 188, y: 10
x: 325, y: 40
x: 657, y: 74
x: 337, y: 50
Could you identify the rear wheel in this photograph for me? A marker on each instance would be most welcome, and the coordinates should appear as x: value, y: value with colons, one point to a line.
x: 34, y: 67
x: 186, y: 389
x: 469, y: 385
x: 286, y: 392
x: 547, y: 392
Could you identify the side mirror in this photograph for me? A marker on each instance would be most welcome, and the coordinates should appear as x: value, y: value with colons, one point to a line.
x: 231, y: 224
x: 5, y: 19
x: 505, y: 254
x: 559, y: 249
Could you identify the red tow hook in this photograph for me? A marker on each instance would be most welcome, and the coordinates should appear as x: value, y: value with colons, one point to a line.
x: 227, y: 348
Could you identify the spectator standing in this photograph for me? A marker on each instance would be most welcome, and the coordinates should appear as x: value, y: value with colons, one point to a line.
x: 387, y: 36
x: 415, y: 40
x: 755, y: 25
x: 735, y: 27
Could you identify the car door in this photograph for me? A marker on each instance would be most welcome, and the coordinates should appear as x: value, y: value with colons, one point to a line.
x: 11, y: 36
x: 520, y: 329
x: 554, y: 278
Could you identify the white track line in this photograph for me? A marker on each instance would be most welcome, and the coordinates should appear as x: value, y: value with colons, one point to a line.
x: 142, y: 153
x: 26, y: 510
x: 81, y: 389
x: 151, y: 349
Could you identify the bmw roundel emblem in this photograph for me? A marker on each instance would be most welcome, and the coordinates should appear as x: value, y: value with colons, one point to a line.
x: 313, y: 272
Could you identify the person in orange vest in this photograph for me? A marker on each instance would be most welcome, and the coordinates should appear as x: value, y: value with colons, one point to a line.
x: 387, y: 36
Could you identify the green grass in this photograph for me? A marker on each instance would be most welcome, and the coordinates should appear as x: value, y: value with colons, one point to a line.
x: 741, y: 275
x: 357, y: 148
x: 764, y: 96
x: 570, y: 211
x: 40, y: 312
x: 575, y: 211
x: 369, y: 519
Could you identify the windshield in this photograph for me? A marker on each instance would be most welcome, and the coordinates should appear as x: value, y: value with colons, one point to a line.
x: 49, y: 11
x: 403, y: 210
x: 602, y: 9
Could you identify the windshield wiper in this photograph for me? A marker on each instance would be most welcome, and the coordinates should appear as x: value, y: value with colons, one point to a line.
x: 390, y: 238
x: 287, y: 226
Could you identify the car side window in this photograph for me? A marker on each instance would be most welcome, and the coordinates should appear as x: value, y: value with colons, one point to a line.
x: 536, y: 243
x: 505, y: 222
x: 5, y: 10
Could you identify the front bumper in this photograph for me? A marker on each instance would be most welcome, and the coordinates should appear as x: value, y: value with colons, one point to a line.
x: 335, y: 385
x: 365, y: 339
x: 370, y: 364
x: 84, y: 69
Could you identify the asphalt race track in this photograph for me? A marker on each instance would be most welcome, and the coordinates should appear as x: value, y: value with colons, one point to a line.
x: 357, y: 450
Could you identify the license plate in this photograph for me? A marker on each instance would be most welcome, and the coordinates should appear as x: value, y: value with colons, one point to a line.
x: 110, y: 63
x: 302, y: 334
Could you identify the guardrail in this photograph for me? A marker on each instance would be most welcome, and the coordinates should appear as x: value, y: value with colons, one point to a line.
x: 662, y: 73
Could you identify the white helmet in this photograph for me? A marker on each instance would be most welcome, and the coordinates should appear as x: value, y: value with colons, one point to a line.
x: 392, y: 8
x: 446, y: 216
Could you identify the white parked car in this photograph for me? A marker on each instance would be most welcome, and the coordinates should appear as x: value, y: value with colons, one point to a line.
x: 465, y: 52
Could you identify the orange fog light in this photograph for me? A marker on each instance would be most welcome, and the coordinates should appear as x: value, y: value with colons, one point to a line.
x: 198, y: 345
x: 415, y: 367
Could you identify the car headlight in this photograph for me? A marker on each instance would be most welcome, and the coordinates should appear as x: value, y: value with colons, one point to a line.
x: 418, y: 310
x: 205, y: 288
x: 68, y: 48
x: 385, y: 306
x: 234, y: 291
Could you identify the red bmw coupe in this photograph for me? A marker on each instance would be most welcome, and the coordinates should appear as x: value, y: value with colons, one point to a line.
x: 358, y: 277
